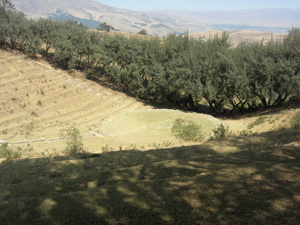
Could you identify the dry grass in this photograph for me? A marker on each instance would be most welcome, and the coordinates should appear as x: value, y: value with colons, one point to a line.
x: 128, y: 35
x: 39, y: 103
x: 241, y: 36
x: 233, y: 181
x: 144, y: 126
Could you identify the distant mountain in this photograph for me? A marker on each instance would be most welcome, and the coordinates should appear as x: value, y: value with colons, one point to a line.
x: 270, y: 20
x: 92, y: 13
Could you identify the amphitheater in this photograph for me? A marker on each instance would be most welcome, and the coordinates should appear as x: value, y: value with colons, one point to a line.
x: 39, y: 102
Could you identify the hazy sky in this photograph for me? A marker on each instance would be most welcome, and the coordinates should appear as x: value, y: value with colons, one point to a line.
x: 200, y: 5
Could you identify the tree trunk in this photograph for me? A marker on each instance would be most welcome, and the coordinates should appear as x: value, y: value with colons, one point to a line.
x: 192, y: 103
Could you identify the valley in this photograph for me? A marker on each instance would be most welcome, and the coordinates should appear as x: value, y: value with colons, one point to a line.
x: 109, y: 127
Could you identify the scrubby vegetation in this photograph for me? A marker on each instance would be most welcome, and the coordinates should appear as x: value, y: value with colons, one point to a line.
x: 7, y: 152
x: 220, y: 131
x: 74, y: 143
x: 188, y: 131
x: 175, y: 69
x: 295, y: 121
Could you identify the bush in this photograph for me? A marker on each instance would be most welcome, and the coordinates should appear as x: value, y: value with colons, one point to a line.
x: 39, y: 103
x: 74, y: 144
x: 295, y: 121
x: 33, y: 113
x: 220, y: 131
x: 250, y: 126
x: 245, y: 133
x: 89, y: 73
x: 143, y: 32
x: 187, y: 132
x: 7, y: 152
x: 259, y: 120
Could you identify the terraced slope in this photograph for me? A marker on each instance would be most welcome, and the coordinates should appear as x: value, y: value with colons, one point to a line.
x: 39, y: 102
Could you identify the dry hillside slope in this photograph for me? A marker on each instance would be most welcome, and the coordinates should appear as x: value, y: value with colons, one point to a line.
x: 120, y: 19
x: 241, y: 36
x: 39, y: 102
x: 235, y: 180
x: 256, y: 19
x: 232, y: 181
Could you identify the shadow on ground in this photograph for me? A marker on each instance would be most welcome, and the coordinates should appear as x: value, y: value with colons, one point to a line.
x: 249, y: 180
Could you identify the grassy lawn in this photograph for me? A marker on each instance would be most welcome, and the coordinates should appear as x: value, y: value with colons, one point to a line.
x: 154, y: 126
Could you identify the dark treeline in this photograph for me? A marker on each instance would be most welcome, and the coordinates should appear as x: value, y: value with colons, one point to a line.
x: 177, y: 69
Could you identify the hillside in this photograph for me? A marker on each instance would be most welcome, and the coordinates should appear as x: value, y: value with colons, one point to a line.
x: 121, y: 180
x: 257, y: 182
x: 267, y: 20
x: 90, y: 12
x: 40, y: 102
x: 238, y: 37
x: 160, y: 23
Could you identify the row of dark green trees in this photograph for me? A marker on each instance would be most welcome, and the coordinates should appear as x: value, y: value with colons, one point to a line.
x: 175, y: 69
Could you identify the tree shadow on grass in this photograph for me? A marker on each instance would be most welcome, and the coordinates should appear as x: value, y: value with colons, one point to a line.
x: 257, y: 182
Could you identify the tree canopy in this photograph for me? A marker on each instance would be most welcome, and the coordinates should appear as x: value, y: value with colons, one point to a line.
x: 176, y: 69
x: 105, y: 27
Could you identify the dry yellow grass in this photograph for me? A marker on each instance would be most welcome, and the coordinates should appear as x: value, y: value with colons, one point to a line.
x: 241, y: 36
x: 128, y: 35
x: 39, y: 103
x: 234, y: 181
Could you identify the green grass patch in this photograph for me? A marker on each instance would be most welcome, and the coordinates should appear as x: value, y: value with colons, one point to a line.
x: 258, y: 121
x: 153, y: 126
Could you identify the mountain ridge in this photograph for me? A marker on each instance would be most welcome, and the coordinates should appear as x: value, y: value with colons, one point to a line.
x: 260, y: 17
x: 160, y: 23
x: 121, y: 19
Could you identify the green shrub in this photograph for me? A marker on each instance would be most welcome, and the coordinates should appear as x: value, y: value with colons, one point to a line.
x: 259, y: 120
x: 295, y: 121
x: 250, y: 126
x: 33, y: 113
x: 7, y: 152
x: 89, y: 73
x: 220, y: 131
x: 245, y: 133
x: 74, y: 144
x: 187, y: 131
x: 39, y: 102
